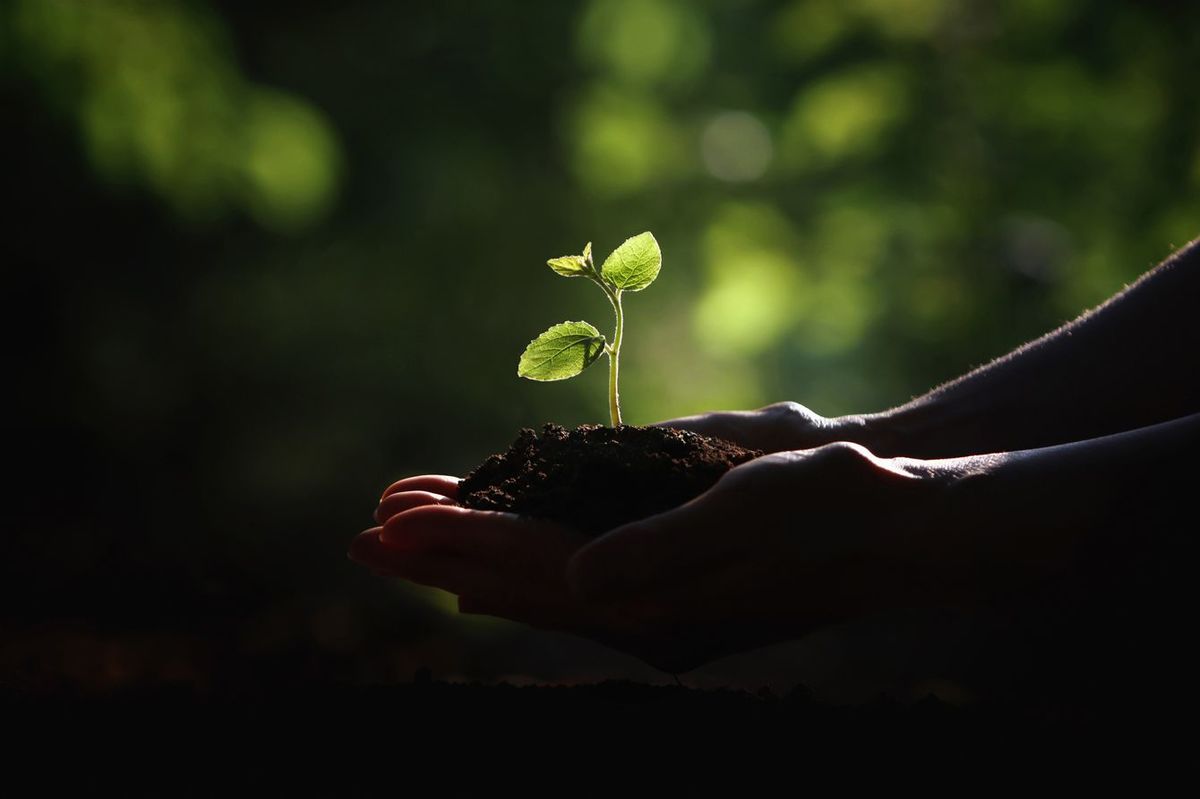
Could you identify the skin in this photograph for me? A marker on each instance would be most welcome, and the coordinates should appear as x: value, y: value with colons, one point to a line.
x: 733, y: 570
x: 1086, y: 434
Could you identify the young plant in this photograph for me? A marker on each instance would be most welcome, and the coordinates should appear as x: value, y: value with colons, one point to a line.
x: 566, y: 349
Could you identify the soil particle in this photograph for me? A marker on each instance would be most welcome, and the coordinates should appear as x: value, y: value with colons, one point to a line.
x: 595, y: 478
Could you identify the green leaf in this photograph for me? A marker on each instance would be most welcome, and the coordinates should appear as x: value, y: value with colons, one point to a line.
x: 563, y: 351
x: 569, y: 265
x: 635, y: 264
x: 587, y: 252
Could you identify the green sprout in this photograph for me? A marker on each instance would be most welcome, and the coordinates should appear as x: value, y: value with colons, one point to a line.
x: 566, y: 349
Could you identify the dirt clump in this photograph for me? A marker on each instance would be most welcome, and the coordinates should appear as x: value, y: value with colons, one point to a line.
x: 595, y: 478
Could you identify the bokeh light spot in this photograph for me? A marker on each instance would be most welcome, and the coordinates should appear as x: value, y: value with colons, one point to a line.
x: 748, y: 305
x: 753, y: 291
x: 840, y: 309
x: 902, y: 19
x: 846, y: 114
x: 291, y: 161
x: 159, y: 102
x: 804, y: 30
x: 622, y: 142
x: 735, y: 146
x: 645, y: 41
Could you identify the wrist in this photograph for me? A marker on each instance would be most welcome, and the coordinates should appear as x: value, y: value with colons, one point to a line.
x: 947, y: 538
x: 918, y: 522
x: 874, y: 431
x: 926, y: 428
x: 1002, y: 529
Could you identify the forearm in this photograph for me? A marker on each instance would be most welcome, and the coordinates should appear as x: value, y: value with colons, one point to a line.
x: 1083, y: 509
x: 1130, y: 363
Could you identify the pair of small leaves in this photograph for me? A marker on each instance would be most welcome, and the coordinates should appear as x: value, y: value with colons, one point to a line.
x: 566, y: 349
x: 631, y: 267
x: 573, y: 265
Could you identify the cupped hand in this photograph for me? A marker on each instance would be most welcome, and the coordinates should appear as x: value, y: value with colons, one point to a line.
x: 781, y: 545
x: 499, y: 564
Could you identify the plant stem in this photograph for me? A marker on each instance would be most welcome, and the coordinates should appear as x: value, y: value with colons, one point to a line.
x: 614, y: 356
x: 613, y: 350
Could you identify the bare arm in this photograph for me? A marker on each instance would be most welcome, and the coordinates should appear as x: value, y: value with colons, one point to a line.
x: 1132, y: 362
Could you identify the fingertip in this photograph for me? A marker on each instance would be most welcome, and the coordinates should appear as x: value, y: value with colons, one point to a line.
x: 444, y: 484
x: 400, y: 501
x: 362, y: 545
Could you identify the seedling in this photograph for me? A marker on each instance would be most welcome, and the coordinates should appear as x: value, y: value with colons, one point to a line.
x: 566, y: 349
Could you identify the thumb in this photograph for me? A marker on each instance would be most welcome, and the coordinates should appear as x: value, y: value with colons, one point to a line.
x: 652, y: 553
x: 614, y: 565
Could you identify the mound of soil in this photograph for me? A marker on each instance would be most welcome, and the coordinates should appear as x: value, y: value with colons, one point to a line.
x: 595, y: 478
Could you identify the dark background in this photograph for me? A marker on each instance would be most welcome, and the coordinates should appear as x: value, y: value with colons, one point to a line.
x: 261, y: 259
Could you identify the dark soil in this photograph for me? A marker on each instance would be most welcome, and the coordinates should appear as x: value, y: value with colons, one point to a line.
x: 596, y: 478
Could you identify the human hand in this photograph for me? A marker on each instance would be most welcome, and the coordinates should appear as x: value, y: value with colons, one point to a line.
x: 781, y: 545
x: 774, y: 428
x: 499, y: 564
x: 426, y: 537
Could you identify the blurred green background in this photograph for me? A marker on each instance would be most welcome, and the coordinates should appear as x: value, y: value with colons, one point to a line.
x: 263, y: 258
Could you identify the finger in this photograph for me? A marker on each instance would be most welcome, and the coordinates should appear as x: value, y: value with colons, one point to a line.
x: 744, y: 428
x: 508, y: 541
x: 363, y: 546
x: 671, y: 549
x: 406, y: 500
x: 442, y: 484
x: 446, y: 572
x: 716, y: 425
